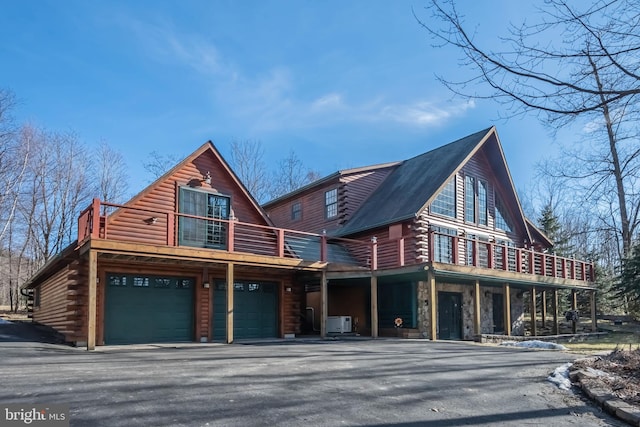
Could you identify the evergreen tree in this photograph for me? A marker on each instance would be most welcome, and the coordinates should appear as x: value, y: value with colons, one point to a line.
x: 550, y: 225
x: 627, y: 287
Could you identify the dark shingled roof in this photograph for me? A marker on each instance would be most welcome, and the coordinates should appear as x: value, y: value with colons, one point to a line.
x: 411, y: 185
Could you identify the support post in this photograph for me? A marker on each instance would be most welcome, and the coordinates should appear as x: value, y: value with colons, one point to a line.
x: 534, y: 329
x: 433, y: 306
x: 543, y: 306
x: 594, y: 321
x: 230, y: 290
x: 91, y: 303
x: 374, y: 306
x: 507, y: 309
x: 554, y: 307
x: 574, y: 307
x: 323, y: 305
x: 477, y: 329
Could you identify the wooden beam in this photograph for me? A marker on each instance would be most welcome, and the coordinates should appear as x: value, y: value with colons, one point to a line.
x: 594, y: 321
x: 230, y: 289
x: 507, y: 308
x: 477, y: 328
x: 574, y: 307
x: 374, y: 307
x: 433, y: 306
x: 554, y: 307
x: 91, y: 303
x: 323, y: 305
x: 543, y: 305
x: 532, y: 309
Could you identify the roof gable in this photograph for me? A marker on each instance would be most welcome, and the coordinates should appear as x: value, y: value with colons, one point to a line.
x: 413, y: 184
x: 201, y: 162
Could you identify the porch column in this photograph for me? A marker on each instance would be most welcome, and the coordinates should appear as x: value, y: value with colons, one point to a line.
x: 574, y: 307
x: 374, y: 306
x: 507, y: 309
x: 554, y: 307
x: 230, y: 290
x: 543, y: 305
x: 594, y: 321
x: 323, y: 305
x: 534, y: 329
x: 91, y: 303
x: 433, y: 305
x: 477, y: 329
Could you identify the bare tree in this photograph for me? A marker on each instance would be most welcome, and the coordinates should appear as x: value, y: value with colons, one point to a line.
x: 247, y: 160
x: 574, y: 65
x: 290, y: 175
x: 112, y: 179
x: 158, y: 164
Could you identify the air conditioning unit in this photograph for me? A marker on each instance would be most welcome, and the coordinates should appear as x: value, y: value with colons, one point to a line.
x: 338, y: 324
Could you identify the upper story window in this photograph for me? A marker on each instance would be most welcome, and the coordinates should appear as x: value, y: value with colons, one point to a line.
x: 443, y: 244
x: 503, y: 222
x: 296, y: 211
x: 475, y: 200
x: 331, y: 203
x: 445, y: 202
x: 202, y: 232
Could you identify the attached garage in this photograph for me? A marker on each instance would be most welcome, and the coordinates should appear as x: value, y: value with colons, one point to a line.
x: 146, y: 309
x: 255, y: 310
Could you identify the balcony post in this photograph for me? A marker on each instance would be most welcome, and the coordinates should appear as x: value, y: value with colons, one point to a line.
x: 534, y: 329
x: 554, y: 307
x: 507, y: 308
x: 505, y: 260
x: 543, y: 264
x: 454, y: 249
x: 563, y: 266
x: 518, y: 260
x: 474, y: 244
x: 231, y: 234
x: 323, y: 246
x: 594, y: 321
x: 374, y: 253
x: 554, y: 272
x: 532, y: 263
x: 95, y: 218
x: 430, y: 238
x: 583, y: 267
x: 280, y: 233
x: 490, y: 260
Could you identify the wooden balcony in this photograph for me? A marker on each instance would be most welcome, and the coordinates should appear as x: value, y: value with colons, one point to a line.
x: 112, y: 226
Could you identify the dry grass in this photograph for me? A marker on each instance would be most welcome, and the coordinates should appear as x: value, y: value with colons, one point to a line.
x: 6, y: 313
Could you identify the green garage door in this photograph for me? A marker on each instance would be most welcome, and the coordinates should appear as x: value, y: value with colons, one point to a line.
x: 145, y: 309
x: 255, y: 308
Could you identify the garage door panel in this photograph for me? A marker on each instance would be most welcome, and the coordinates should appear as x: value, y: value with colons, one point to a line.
x: 255, y: 308
x: 141, y: 309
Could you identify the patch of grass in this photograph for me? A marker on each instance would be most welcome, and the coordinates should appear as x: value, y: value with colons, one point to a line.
x: 609, y: 342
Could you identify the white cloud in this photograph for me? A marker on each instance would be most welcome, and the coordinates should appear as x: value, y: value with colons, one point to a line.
x: 424, y: 113
x: 329, y: 101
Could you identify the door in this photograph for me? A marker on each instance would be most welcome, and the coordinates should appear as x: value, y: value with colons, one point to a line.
x: 255, y: 310
x: 148, y: 309
x: 498, y: 313
x: 450, y: 315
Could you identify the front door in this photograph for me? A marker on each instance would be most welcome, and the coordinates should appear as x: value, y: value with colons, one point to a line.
x: 450, y: 315
x: 498, y: 313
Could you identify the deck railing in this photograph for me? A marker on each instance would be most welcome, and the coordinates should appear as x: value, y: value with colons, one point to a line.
x: 230, y: 235
x: 235, y: 236
x: 453, y: 249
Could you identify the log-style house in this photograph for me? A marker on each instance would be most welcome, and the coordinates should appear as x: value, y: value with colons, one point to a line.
x: 438, y: 242
x: 452, y: 255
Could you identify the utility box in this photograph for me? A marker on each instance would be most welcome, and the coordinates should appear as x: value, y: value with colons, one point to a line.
x: 338, y: 324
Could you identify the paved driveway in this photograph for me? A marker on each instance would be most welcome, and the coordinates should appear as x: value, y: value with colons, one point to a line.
x: 313, y: 383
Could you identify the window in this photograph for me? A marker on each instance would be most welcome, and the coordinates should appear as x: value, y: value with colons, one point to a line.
x: 331, y: 203
x: 502, y: 220
x: 443, y: 244
x: 475, y: 200
x: 479, y: 245
x: 201, y: 232
x: 296, y: 211
x: 469, y: 199
x: 445, y: 202
x: 36, y: 297
x: 482, y: 202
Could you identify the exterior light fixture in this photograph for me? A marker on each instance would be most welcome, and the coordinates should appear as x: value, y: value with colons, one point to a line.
x: 151, y: 220
x: 207, y: 178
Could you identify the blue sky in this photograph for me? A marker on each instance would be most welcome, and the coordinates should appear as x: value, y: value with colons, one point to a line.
x: 342, y: 83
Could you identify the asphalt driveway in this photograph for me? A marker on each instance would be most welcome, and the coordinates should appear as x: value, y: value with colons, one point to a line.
x: 296, y: 383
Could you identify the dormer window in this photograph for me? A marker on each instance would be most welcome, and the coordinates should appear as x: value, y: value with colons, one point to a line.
x: 331, y: 203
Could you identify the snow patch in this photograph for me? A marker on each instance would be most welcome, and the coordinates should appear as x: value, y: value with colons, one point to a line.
x: 534, y: 344
x: 560, y: 377
x: 4, y: 322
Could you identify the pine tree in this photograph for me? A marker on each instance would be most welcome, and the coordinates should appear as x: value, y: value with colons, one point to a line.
x: 628, y: 285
